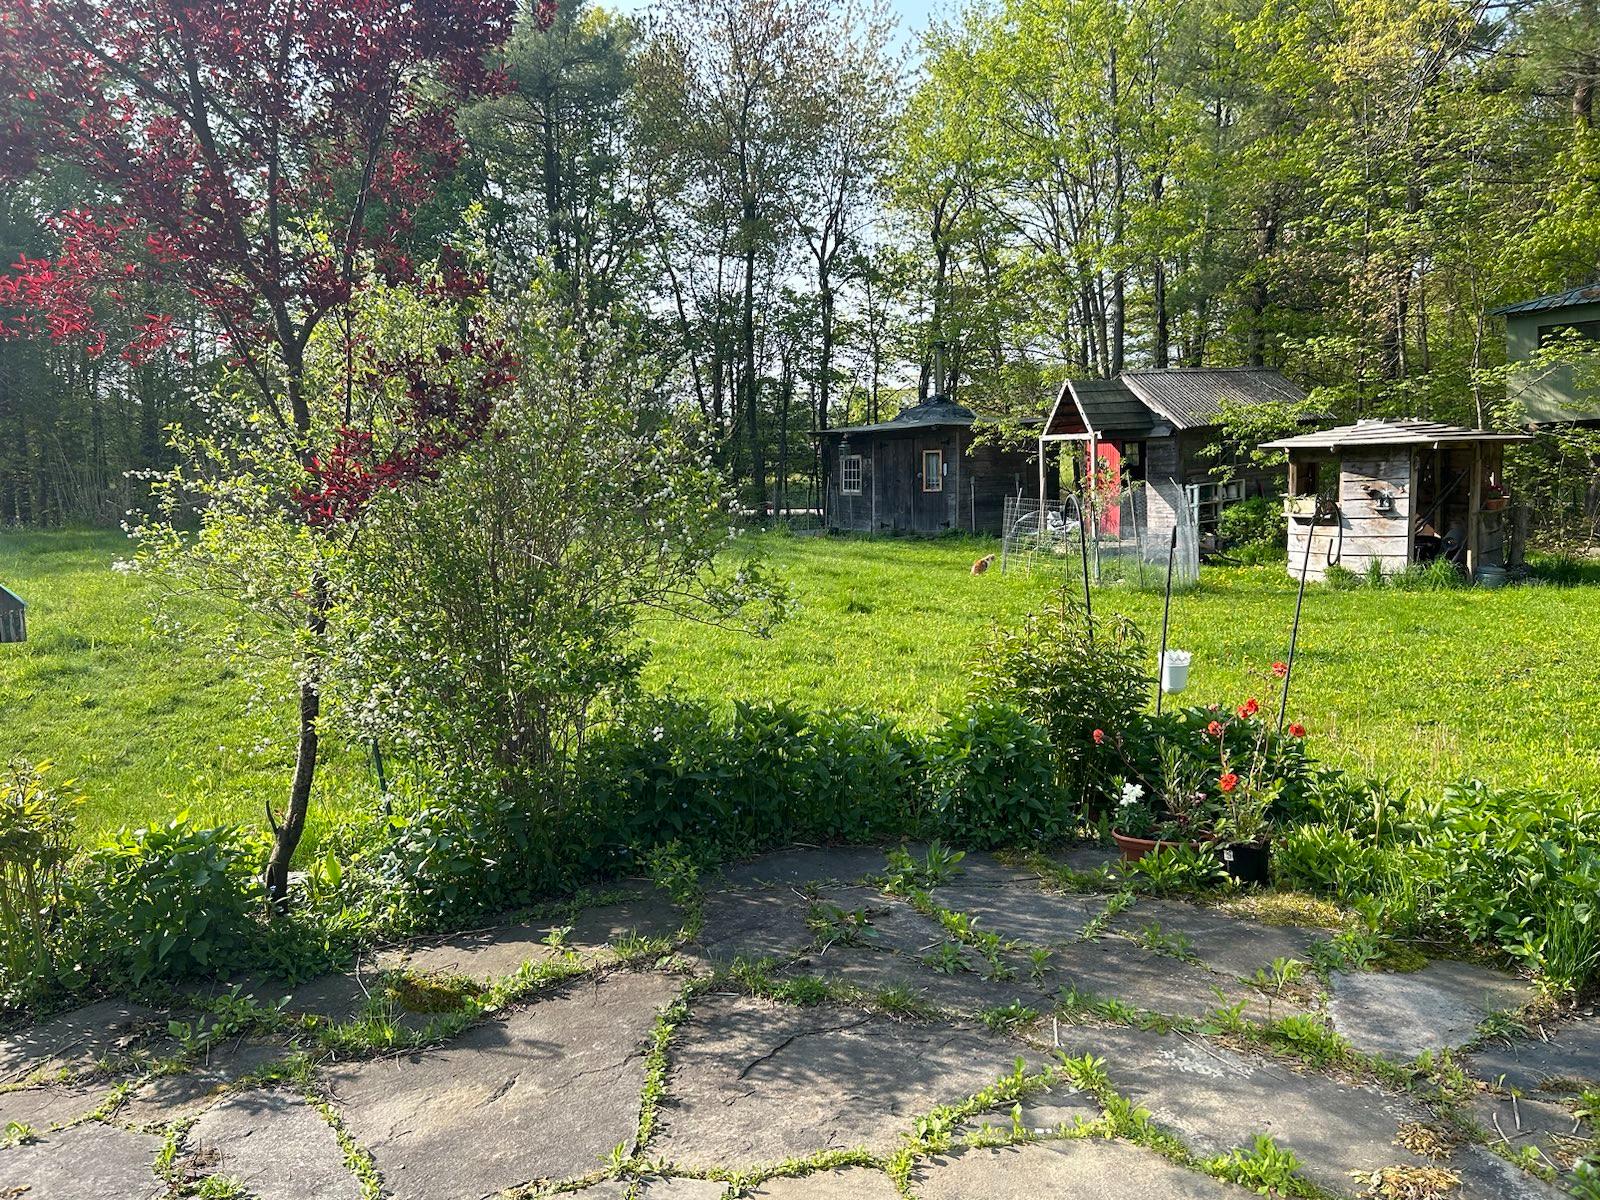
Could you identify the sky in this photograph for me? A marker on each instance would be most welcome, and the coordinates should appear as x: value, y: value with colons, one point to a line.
x: 912, y: 15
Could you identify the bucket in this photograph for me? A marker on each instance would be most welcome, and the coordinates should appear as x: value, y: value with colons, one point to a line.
x: 1174, y: 670
x: 1491, y: 576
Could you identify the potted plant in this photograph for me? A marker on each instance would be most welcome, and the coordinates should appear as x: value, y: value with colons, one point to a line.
x: 1247, y: 789
x: 1175, y: 816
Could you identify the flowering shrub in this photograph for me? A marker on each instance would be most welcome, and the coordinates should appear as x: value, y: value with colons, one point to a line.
x: 1088, y: 692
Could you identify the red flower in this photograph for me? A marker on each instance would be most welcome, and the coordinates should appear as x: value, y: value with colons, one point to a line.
x: 1297, y: 730
x: 1280, y: 669
x: 1249, y: 708
x: 1099, y: 737
x: 1215, y: 729
x: 1228, y: 782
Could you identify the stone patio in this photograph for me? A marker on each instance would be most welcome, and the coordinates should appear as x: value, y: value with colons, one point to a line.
x: 885, y: 1066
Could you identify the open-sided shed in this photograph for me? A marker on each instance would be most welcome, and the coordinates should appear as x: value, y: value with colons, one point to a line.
x: 1396, y: 492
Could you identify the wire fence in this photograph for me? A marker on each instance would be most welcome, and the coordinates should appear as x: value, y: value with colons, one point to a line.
x: 1128, y: 537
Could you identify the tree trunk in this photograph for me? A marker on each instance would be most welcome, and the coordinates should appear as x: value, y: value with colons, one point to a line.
x: 292, y: 828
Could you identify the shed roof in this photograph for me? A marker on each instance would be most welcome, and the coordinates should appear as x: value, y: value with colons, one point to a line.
x: 1136, y: 402
x: 1192, y: 397
x: 936, y: 411
x: 1589, y: 293
x: 1391, y: 432
x: 9, y: 599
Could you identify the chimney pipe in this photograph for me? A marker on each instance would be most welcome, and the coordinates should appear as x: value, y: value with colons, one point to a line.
x: 940, y: 379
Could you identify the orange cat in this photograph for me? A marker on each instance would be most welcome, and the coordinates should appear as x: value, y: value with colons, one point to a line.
x: 983, y: 564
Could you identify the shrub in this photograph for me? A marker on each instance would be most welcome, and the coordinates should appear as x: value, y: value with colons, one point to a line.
x: 994, y: 779
x: 36, y: 842
x: 1254, y: 530
x: 170, y: 902
x: 1050, y: 668
x: 867, y: 778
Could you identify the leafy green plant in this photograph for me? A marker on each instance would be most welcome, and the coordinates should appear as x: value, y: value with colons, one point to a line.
x: 1088, y: 689
x: 171, y: 901
x: 1263, y: 1169
x: 993, y: 779
x: 36, y: 843
x: 1171, y: 869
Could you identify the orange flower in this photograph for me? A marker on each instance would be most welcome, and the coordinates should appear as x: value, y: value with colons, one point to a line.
x: 1215, y: 729
x: 1280, y: 669
x: 1228, y: 782
x: 1297, y: 730
x: 1250, y: 707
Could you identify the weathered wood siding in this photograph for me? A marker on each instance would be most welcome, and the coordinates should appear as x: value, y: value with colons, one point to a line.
x: 976, y: 482
x: 1362, y: 534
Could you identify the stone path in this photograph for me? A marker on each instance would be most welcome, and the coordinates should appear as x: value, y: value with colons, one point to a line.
x: 800, y: 1034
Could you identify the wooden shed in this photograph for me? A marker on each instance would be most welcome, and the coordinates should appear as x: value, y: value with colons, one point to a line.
x: 925, y: 471
x: 1152, y: 426
x: 13, y: 616
x: 1396, y: 492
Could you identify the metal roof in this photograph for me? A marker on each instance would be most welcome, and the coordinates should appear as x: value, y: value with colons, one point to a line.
x: 937, y: 411
x: 1589, y: 293
x: 10, y: 597
x: 1105, y: 406
x: 1390, y: 432
x: 1192, y: 397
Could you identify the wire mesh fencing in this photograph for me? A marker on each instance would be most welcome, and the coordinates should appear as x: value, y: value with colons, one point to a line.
x: 1128, y: 536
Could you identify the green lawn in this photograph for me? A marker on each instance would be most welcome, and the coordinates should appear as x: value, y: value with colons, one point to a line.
x: 1420, y: 686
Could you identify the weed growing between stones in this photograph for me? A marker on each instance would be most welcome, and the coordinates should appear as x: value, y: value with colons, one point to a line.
x: 658, y: 1061
x: 356, y: 1157
x: 1264, y: 1169
x: 1115, y: 904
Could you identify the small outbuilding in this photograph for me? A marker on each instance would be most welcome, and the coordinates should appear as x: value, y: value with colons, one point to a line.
x: 1556, y: 392
x: 1152, y: 426
x: 1397, y: 492
x: 13, y: 616
x: 926, y: 471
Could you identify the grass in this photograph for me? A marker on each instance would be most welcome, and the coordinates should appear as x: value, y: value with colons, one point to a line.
x: 1422, y: 687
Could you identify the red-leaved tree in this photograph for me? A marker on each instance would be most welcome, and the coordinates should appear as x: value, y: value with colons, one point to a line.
x: 271, y: 157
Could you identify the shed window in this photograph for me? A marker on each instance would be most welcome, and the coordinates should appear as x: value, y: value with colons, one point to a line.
x: 933, y: 470
x: 1588, y: 331
x: 850, y: 474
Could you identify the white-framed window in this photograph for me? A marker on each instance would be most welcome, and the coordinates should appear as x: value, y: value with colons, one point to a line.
x: 933, y: 470
x: 850, y: 474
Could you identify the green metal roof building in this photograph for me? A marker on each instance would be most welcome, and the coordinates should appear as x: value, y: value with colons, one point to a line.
x: 1555, y: 392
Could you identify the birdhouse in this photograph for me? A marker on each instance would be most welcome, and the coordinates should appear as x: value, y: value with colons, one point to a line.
x: 13, y: 616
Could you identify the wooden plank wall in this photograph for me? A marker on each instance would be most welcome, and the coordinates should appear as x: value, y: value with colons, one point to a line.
x: 1363, y: 533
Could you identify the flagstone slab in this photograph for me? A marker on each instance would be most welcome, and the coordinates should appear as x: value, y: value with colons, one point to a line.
x: 762, y: 923
x: 1539, y: 1120
x: 336, y: 996
x: 39, y: 1108
x: 1021, y: 911
x: 754, y: 1082
x: 1215, y: 1099
x: 490, y: 954
x: 854, y: 1183
x: 803, y: 865
x: 1043, y: 1113
x: 1112, y: 968
x: 966, y: 991
x: 87, y: 1162
x: 981, y: 869
x: 1089, y: 1169
x: 1229, y: 944
x: 1401, y: 1014
x: 275, y: 1144
x: 656, y: 1189
x: 1561, y: 1060
x: 173, y: 1097
x: 543, y: 1094
x: 74, y: 1041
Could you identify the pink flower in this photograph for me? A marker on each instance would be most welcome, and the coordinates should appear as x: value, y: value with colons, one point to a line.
x: 1099, y: 737
x: 1280, y: 669
x: 1215, y: 729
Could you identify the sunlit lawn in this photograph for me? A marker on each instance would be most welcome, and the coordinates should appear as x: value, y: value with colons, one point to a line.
x: 1423, y: 687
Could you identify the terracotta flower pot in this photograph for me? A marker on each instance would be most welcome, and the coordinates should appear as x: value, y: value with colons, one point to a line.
x: 1135, y: 848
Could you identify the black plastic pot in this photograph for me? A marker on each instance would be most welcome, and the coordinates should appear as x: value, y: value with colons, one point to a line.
x: 1248, y: 863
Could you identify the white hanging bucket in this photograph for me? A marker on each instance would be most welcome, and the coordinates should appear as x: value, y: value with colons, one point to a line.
x: 1174, y: 670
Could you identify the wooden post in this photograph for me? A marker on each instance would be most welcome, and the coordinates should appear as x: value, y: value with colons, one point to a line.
x: 1474, y: 510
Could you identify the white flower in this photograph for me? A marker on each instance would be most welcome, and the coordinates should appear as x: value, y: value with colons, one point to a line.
x: 1132, y: 793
